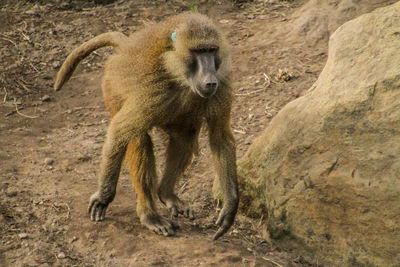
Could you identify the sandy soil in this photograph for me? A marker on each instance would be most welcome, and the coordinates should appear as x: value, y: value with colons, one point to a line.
x: 51, y: 141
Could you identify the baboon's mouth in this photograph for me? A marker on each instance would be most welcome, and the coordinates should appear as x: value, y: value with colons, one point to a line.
x: 204, y: 93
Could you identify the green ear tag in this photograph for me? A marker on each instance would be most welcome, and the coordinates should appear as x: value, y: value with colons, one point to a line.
x: 173, y: 36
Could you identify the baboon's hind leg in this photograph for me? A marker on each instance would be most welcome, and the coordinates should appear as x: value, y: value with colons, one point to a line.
x: 140, y: 158
x: 180, y: 150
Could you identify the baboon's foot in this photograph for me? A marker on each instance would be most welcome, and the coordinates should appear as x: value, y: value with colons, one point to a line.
x: 159, y: 224
x: 176, y: 206
x: 97, y: 207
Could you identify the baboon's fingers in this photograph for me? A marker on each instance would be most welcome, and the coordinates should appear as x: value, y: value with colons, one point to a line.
x: 174, y: 211
x: 93, y: 213
x: 91, y: 204
x: 225, y: 221
x: 222, y: 230
x: 96, y: 209
x: 93, y: 209
x: 101, y: 212
x: 219, y: 220
x: 97, y: 212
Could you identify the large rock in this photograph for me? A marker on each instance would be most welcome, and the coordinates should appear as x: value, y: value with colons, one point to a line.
x: 327, y: 168
x: 318, y: 19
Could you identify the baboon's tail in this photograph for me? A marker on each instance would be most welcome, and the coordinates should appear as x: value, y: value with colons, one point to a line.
x: 115, y: 39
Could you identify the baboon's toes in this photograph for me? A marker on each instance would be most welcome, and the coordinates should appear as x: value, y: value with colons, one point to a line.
x: 179, y: 207
x: 159, y: 225
x: 176, y: 206
x: 189, y: 213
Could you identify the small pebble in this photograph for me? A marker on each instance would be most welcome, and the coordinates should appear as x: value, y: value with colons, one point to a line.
x: 56, y: 64
x: 61, y: 255
x: 46, y: 98
x: 11, y: 192
x: 23, y: 235
x: 74, y: 239
x: 48, y: 161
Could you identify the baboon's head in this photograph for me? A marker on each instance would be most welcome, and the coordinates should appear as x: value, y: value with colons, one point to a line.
x: 200, y: 55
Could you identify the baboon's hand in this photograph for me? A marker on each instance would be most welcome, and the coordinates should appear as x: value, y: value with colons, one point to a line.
x: 225, y: 219
x: 97, y: 207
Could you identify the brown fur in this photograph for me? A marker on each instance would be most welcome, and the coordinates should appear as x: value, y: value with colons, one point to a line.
x: 145, y: 86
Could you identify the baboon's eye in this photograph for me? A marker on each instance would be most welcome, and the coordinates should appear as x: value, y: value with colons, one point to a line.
x: 192, y: 64
x: 217, y: 62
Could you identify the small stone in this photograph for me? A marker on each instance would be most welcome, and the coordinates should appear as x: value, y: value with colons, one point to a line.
x: 56, y: 64
x: 224, y: 21
x: 46, y: 98
x: 74, y: 238
x: 34, y: 10
x: 251, y: 16
x: 11, y: 192
x: 61, y: 255
x: 48, y: 161
x: 23, y: 235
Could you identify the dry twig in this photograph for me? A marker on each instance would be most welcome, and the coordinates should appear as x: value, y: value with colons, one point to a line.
x: 69, y: 210
x: 23, y: 85
x: 239, y: 131
x: 272, y: 261
x: 9, y: 40
x: 30, y: 63
x: 252, y: 92
x: 5, y: 96
x: 21, y: 114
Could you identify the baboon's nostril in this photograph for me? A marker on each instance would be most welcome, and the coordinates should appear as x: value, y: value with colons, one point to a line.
x: 211, y: 85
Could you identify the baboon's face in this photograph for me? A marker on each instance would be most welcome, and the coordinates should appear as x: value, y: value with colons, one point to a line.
x: 202, y: 71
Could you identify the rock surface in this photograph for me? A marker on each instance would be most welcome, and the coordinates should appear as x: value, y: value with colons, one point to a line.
x: 327, y: 168
x: 318, y: 19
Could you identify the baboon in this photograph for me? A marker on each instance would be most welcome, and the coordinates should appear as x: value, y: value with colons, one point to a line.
x: 174, y: 76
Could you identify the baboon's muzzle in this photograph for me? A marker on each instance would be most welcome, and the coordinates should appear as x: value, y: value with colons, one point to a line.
x: 206, y: 81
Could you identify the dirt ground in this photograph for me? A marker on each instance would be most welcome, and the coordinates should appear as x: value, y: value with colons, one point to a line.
x: 50, y: 142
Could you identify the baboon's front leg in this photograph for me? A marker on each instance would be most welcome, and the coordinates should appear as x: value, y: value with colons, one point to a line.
x: 121, y: 129
x: 112, y: 156
x: 222, y: 146
x: 180, y: 150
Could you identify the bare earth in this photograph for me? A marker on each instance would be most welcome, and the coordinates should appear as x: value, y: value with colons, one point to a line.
x: 50, y: 142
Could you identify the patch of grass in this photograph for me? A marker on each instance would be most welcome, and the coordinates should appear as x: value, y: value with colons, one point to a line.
x: 194, y: 5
